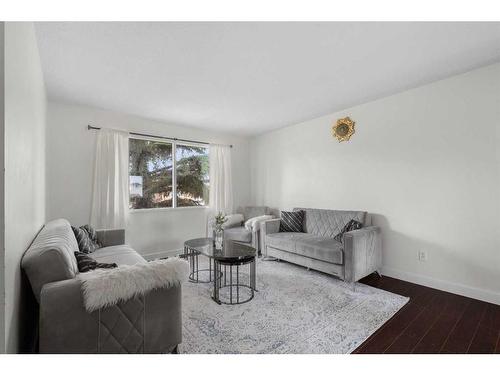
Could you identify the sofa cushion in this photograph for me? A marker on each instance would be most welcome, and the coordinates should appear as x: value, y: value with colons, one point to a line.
x: 309, y: 245
x: 282, y: 240
x: 323, y: 248
x: 240, y: 234
x: 328, y: 223
x: 120, y: 254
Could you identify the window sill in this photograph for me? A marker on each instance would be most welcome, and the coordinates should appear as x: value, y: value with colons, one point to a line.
x: 140, y: 210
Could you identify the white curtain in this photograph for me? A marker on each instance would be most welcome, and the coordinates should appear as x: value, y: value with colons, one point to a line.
x: 110, y: 191
x: 221, y: 183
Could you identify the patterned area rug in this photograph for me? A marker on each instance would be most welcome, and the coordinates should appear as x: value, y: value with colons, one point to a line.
x: 294, y: 311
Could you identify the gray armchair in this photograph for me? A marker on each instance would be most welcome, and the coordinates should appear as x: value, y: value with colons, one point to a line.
x: 235, y: 228
x: 149, y: 323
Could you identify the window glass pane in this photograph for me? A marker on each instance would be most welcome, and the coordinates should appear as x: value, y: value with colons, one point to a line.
x: 150, y: 174
x: 192, y: 175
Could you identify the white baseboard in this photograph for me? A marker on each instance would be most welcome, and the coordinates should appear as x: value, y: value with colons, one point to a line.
x: 448, y: 286
x: 162, y: 254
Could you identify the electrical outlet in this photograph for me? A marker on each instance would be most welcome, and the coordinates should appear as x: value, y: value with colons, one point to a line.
x: 422, y: 256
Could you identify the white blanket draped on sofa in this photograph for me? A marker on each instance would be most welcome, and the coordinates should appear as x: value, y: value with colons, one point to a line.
x: 106, y: 287
x: 110, y: 191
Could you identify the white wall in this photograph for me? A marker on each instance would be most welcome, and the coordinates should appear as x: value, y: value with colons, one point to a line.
x: 2, y: 181
x: 25, y: 106
x: 70, y: 158
x: 426, y: 162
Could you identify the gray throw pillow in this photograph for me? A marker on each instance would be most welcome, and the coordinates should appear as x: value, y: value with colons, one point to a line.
x: 291, y: 221
x: 351, y: 225
x: 86, y: 237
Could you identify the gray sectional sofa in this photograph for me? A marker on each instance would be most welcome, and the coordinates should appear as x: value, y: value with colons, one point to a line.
x: 147, y: 324
x: 358, y: 255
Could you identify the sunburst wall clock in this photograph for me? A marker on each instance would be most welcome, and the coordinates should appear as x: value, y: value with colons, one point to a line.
x: 343, y: 129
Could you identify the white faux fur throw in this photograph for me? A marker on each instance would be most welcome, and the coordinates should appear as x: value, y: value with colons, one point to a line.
x: 253, y: 223
x: 106, y: 287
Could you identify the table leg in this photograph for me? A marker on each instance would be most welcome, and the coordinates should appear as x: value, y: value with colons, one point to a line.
x: 231, y: 284
x: 197, y: 273
x: 219, y: 282
x: 237, y: 284
x: 252, y: 275
x: 210, y: 269
x: 191, y: 260
x: 214, y: 293
x: 191, y: 267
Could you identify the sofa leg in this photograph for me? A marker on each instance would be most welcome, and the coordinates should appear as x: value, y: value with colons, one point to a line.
x: 175, y: 350
x: 268, y: 258
x: 351, y: 285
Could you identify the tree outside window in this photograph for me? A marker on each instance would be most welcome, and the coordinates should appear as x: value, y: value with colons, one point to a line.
x: 151, y: 171
x: 192, y: 175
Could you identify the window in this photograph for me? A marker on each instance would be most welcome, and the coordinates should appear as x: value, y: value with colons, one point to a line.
x: 150, y: 174
x: 156, y: 181
x: 192, y: 177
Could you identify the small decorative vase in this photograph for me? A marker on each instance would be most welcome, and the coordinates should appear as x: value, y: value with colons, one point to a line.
x: 219, y: 238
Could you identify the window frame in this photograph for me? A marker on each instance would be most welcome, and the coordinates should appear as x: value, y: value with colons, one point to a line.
x: 174, y: 144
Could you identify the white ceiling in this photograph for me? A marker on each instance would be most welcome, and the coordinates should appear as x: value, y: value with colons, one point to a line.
x: 248, y: 78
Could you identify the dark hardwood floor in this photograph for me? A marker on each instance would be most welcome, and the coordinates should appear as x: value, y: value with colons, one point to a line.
x: 434, y: 321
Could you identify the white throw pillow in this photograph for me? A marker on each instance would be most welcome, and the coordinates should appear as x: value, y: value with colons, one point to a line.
x: 233, y: 220
x: 253, y: 223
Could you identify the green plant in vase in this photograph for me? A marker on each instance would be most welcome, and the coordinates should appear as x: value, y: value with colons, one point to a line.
x: 220, y: 219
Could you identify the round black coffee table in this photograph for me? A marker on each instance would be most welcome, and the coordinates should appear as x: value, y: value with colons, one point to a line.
x: 230, y: 258
x: 192, y: 250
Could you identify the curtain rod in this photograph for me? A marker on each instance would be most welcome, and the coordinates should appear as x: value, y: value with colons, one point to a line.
x: 90, y: 127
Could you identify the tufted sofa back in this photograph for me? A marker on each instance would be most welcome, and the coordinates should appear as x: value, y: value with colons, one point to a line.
x: 51, y: 256
x: 328, y: 223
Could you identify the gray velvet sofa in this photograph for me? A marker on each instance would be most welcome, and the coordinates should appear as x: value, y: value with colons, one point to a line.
x: 358, y: 255
x: 147, y: 324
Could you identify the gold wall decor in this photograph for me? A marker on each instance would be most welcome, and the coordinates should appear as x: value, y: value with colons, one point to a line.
x: 343, y: 129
